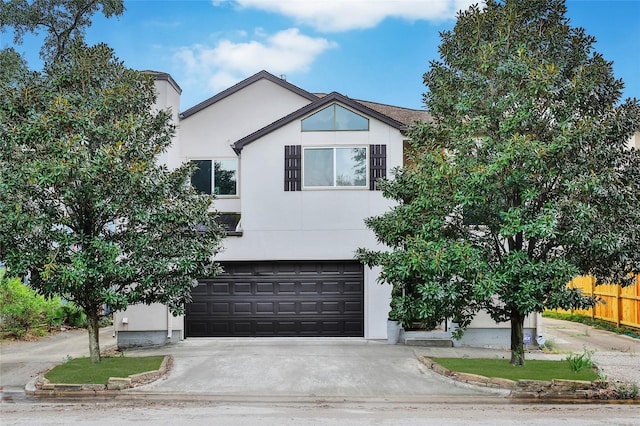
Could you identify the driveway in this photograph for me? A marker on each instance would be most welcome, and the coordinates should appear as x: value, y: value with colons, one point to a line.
x: 279, y: 367
x: 258, y: 368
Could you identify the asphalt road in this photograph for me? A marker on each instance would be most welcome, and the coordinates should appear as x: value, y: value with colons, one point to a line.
x: 319, y: 413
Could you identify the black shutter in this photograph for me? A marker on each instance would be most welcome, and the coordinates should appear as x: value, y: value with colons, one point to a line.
x: 377, y: 164
x: 293, y: 167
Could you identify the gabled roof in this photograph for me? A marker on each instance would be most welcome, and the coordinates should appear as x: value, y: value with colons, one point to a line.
x: 319, y: 103
x: 406, y: 116
x: 244, y: 83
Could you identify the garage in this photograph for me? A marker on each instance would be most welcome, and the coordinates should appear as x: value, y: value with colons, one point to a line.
x: 279, y: 298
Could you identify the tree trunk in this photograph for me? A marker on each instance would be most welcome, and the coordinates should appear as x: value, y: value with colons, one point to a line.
x: 517, y: 338
x: 94, y: 336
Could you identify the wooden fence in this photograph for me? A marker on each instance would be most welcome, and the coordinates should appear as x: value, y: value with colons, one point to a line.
x: 620, y: 305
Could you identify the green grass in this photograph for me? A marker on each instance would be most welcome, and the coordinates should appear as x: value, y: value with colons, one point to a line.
x: 82, y: 371
x: 532, y: 369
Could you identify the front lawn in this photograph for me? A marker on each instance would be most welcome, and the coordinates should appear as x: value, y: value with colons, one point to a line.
x: 532, y: 370
x: 82, y: 371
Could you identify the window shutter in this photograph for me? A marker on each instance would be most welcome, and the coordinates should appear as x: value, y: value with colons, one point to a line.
x: 293, y: 167
x: 377, y: 164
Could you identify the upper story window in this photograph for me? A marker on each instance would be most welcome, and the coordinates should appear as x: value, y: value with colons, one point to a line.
x: 334, y: 117
x: 335, y: 167
x: 219, y: 177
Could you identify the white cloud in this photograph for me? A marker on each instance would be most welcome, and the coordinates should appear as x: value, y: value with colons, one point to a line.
x: 228, y: 62
x: 344, y: 15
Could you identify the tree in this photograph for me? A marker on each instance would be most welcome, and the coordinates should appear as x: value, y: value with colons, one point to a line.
x: 521, y: 181
x: 86, y: 209
x: 63, y: 20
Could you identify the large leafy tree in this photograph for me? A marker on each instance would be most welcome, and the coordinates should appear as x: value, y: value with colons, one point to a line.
x: 63, y: 21
x: 521, y: 181
x: 86, y: 209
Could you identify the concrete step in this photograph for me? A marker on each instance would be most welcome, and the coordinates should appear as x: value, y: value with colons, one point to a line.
x: 432, y: 343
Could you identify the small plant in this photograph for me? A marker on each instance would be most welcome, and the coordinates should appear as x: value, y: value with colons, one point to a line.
x: 548, y: 345
x: 602, y: 378
x: 579, y: 362
x: 627, y: 390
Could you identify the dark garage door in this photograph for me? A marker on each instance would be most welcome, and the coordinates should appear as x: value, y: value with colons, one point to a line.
x: 282, y: 298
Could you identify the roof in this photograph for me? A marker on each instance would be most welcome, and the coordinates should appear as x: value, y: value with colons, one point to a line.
x: 406, y: 116
x: 244, y: 83
x: 319, y: 103
x: 164, y: 76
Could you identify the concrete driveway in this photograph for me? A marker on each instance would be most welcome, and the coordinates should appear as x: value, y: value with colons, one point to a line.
x: 255, y: 368
x: 277, y: 367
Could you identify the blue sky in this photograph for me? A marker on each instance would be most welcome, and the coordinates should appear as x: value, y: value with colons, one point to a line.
x: 375, y: 50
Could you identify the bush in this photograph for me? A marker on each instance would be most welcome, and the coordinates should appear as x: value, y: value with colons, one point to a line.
x: 581, y: 361
x: 24, y: 312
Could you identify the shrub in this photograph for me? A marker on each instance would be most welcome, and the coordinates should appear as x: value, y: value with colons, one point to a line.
x: 23, y: 311
x: 579, y: 362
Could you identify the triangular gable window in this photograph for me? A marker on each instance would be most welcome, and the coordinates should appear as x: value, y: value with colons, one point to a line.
x: 334, y: 117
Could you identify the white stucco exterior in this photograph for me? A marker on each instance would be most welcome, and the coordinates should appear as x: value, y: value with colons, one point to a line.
x: 253, y: 122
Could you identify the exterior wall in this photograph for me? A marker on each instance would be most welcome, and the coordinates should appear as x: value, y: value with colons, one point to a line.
x: 485, y: 332
x: 634, y: 141
x: 325, y: 224
x: 169, y: 98
x: 210, y: 132
x: 154, y: 325
x: 142, y: 325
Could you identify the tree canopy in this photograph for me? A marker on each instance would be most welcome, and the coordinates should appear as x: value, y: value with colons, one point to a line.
x: 86, y: 209
x: 63, y: 21
x: 521, y: 180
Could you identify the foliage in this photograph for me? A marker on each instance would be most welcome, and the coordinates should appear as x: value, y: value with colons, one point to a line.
x: 12, y: 65
x: 86, y: 209
x: 71, y: 315
x: 83, y: 371
x: 533, y: 370
x: 513, y: 179
x: 593, y: 322
x: 626, y: 390
x: 579, y: 362
x: 23, y: 312
x: 64, y: 21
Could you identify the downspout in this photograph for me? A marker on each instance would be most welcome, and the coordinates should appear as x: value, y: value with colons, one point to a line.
x: 538, y: 324
x: 169, y: 324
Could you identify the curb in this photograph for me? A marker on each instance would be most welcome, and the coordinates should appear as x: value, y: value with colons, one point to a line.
x: 41, y: 387
x: 553, y: 390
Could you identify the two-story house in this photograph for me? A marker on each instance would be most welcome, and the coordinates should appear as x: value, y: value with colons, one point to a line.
x: 295, y: 176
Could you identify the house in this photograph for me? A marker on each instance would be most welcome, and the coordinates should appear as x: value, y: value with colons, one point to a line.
x: 295, y: 177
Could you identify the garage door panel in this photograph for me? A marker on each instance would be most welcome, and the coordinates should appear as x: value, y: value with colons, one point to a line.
x: 268, y: 288
x: 285, y: 298
x: 242, y: 307
x: 216, y: 288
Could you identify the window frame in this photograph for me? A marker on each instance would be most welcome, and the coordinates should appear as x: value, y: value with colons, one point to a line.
x: 213, y: 175
x: 335, y: 128
x: 335, y: 186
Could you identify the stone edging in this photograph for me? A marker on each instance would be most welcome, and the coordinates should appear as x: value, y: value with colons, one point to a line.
x: 531, y: 389
x: 44, y: 387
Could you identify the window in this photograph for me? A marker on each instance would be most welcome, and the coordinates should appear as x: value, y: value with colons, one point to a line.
x: 334, y: 117
x: 221, y: 179
x: 335, y: 167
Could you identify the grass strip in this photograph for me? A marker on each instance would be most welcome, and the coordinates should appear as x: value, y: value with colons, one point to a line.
x: 532, y: 369
x: 82, y: 371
